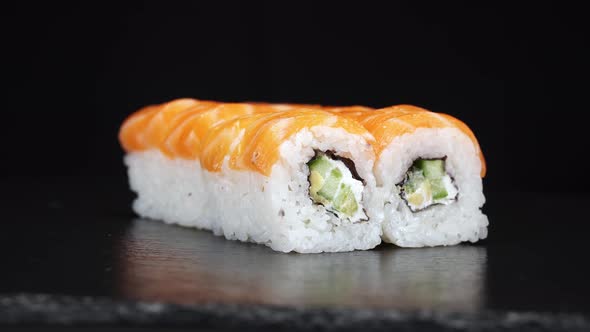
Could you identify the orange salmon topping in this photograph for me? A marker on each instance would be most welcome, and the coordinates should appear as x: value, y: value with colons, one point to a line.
x: 249, y: 135
x: 388, y: 123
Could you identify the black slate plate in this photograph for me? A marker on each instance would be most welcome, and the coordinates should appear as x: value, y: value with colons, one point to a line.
x: 73, y: 253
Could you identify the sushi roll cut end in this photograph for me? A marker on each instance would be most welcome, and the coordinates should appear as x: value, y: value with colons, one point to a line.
x: 427, y: 183
x: 333, y: 185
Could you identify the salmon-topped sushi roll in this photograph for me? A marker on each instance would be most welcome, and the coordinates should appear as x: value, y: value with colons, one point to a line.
x: 292, y: 178
x: 430, y: 168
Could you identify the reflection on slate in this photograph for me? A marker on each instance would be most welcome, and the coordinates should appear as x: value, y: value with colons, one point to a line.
x: 160, y: 262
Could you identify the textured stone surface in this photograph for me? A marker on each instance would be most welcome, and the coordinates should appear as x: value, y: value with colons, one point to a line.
x: 35, y: 309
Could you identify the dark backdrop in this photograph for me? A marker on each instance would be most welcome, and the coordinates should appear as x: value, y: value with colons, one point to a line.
x: 515, y: 74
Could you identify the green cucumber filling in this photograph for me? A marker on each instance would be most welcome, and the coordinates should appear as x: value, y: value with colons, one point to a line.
x: 427, y: 183
x: 335, y: 186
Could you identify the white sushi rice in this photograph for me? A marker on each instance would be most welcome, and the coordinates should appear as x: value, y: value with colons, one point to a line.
x: 248, y: 206
x: 437, y: 225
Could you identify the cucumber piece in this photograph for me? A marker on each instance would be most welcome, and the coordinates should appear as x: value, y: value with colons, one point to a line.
x: 432, y: 168
x: 345, y: 202
x: 320, y: 164
x: 331, y: 185
x: 438, y: 189
x: 415, y: 179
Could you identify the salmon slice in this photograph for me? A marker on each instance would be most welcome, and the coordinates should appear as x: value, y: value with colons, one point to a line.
x: 349, y: 111
x: 253, y: 142
x: 386, y: 124
x: 205, y: 125
x: 159, y: 125
x: 262, y: 151
x: 233, y: 139
x: 168, y: 145
x: 176, y: 128
x: 148, y: 127
x: 131, y: 132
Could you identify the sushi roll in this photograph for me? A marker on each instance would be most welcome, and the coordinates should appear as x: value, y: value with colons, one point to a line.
x: 429, y: 167
x: 294, y: 179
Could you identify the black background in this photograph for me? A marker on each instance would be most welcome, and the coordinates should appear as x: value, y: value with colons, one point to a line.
x: 515, y: 73
x: 71, y: 72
